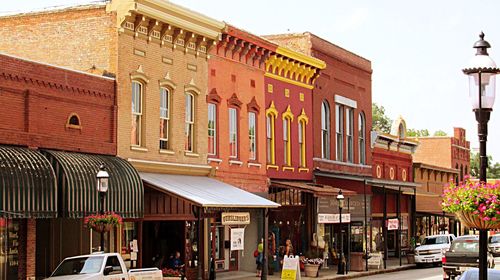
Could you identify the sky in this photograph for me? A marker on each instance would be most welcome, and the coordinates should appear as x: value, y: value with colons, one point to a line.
x: 417, y: 48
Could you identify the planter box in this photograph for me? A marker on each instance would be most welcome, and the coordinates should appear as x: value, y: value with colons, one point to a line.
x: 311, y: 270
x: 171, y: 277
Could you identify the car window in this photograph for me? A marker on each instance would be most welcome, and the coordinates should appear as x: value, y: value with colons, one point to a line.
x: 115, y: 263
x: 436, y: 240
x: 495, y: 239
x: 465, y: 246
x: 83, y: 265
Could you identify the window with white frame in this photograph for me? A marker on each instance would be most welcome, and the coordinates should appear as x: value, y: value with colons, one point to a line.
x: 189, y: 123
x: 252, y: 132
x: 212, y: 129
x: 233, y: 133
x: 339, y: 128
x: 164, y: 118
x: 270, y: 138
x: 302, y: 143
x: 349, y: 123
x: 135, y: 135
x: 287, y: 157
x: 325, y: 130
x: 362, y: 138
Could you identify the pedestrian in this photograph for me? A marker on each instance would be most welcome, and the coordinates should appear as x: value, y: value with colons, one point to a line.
x: 259, y: 259
x: 288, y: 247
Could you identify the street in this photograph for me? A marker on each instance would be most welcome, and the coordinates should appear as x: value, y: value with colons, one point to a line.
x: 434, y: 273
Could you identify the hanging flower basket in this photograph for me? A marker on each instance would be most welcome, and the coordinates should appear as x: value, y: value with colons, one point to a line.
x: 104, y: 222
x: 476, y: 204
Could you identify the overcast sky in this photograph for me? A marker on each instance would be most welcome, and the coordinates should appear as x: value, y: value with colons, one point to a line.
x: 417, y: 48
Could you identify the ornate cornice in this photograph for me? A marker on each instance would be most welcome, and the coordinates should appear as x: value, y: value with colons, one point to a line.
x: 213, y: 96
x: 253, y: 106
x: 272, y: 110
x: 234, y: 101
x: 303, y: 117
x: 288, y: 113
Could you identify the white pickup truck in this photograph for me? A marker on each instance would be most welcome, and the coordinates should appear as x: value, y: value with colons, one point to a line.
x: 101, y: 266
x: 432, y: 249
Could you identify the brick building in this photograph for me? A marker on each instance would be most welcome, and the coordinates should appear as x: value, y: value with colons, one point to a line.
x: 393, y: 191
x: 58, y: 127
x: 342, y: 114
x: 159, y: 54
x: 446, y: 151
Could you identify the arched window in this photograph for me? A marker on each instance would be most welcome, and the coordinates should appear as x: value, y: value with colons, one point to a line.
x: 136, y: 131
x: 325, y: 130
x: 339, y: 129
x: 252, y: 135
x: 233, y: 132
x: 302, y: 120
x: 189, y: 123
x: 271, y: 114
x: 164, y: 118
x: 287, y: 141
x: 73, y: 121
x: 349, y: 123
x: 362, y: 138
x: 212, y: 129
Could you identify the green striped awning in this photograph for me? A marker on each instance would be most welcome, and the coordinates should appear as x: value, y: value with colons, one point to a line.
x: 78, y: 195
x: 28, y: 187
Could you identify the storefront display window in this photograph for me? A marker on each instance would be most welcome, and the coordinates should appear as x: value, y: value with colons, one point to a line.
x: 129, y: 247
x: 9, y: 252
x: 357, y: 237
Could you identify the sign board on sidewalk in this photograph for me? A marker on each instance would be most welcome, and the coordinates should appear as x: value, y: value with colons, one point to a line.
x: 291, y: 268
x: 392, y: 224
x: 333, y: 218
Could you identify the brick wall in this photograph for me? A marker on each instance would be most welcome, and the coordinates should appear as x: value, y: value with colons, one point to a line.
x: 435, y: 151
x: 41, y: 100
x: 78, y: 38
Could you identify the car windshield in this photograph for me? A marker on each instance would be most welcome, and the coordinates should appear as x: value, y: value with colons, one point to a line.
x: 83, y: 265
x: 495, y: 239
x: 465, y: 246
x: 473, y: 274
x: 435, y: 240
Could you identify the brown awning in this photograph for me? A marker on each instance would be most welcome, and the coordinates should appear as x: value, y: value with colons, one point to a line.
x: 310, y: 187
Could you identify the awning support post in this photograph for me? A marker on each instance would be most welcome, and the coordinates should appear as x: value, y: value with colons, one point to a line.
x: 384, y: 228
x: 398, y: 205
x: 366, y: 227
x: 266, y: 245
x: 199, y: 274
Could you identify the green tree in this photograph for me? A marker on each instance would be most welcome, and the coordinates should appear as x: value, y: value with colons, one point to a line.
x: 380, y: 122
x: 440, y: 133
x: 417, y: 132
x: 492, y: 170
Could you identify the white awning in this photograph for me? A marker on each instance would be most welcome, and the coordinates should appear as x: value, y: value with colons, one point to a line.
x: 205, y: 191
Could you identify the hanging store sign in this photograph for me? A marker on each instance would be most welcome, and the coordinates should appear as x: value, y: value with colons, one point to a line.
x: 392, y: 224
x: 237, y: 239
x: 235, y: 218
x: 333, y: 218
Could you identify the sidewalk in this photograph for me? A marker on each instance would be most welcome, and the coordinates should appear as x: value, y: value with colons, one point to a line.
x: 324, y: 274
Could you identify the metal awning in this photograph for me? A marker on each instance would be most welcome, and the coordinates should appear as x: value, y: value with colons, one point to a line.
x: 76, y: 176
x: 316, y: 189
x: 28, y: 184
x: 392, y: 183
x: 205, y: 191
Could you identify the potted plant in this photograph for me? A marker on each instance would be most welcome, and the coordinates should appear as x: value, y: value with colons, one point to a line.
x: 104, y: 222
x: 311, y: 266
x: 476, y: 204
x: 169, y: 273
x: 410, y: 254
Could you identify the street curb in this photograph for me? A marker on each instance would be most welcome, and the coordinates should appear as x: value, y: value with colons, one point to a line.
x: 367, y: 273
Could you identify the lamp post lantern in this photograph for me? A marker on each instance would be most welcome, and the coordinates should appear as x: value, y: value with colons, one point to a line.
x: 341, y: 268
x: 102, y: 188
x: 481, y: 72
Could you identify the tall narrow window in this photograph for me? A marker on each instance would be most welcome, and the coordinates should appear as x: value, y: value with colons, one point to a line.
x: 362, y: 138
x: 287, y: 157
x: 135, y: 135
x: 270, y: 138
x: 325, y: 130
x: 164, y: 118
x: 189, y: 122
x: 233, y: 133
x: 212, y: 129
x: 349, y: 123
x: 252, y: 132
x: 339, y: 128
x: 302, y: 143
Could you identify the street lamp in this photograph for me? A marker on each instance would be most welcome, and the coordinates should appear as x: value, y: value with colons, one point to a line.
x: 481, y: 72
x: 102, y: 188
x: 340, y: 199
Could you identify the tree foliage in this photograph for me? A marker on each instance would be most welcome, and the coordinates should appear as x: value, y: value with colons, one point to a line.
x: 492, y: 169
x: 380, y: 122
x: 417, y: 132
x: 440, y: 133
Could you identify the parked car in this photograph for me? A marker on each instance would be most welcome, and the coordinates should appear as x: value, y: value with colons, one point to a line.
x: 101, y: 266
x: 494, y: 244
x: 473, y: 274
x: 432, y: 249
x: 463, y: 255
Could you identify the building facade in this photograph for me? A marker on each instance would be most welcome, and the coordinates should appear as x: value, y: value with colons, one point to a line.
x: 58, y: 128
x: 341, y: 101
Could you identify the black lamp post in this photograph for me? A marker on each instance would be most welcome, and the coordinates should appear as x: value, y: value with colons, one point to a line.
x: 481, y: 72
x: 341, y: 268
x: 102, y: 188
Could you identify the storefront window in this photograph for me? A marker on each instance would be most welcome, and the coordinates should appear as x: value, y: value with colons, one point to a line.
x: 357, y: 237
x: 377, y: 236
x: 129, y: 247
x: 9, y: 243
x: 192, y: 245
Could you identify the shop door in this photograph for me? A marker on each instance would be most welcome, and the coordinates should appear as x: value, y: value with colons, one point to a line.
x: 218, y: 231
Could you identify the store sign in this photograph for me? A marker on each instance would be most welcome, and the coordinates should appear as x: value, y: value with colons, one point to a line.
x: 392, y: 224
x: 237, y: 239
x: 235, y: 218
x: 333, y: 218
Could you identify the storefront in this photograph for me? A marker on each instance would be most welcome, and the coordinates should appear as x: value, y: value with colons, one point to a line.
x: 219, y: 222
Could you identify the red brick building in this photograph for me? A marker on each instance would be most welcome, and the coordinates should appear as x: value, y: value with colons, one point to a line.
x: 393, y: 191
x: 342, y: 114
x: 58, y: 127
